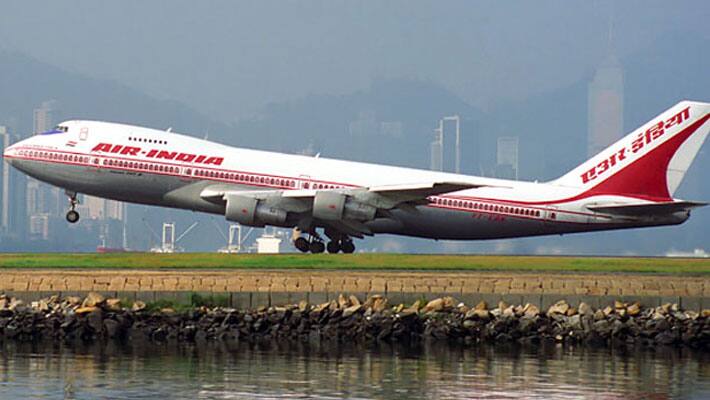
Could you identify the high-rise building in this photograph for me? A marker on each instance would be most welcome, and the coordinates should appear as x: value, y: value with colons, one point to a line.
x: 445, y: 150
x: 13, y: 215
x: 437, y: 150
x: 43, y: 201
x: 507, y: 157
x: 5, y: 214
x: 43, y: 118
x: 605, y: 106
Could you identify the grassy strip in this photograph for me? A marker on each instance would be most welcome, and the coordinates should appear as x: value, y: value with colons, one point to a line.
x: 358, y: 262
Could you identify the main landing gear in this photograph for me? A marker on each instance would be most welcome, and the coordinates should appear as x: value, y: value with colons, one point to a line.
x: 72, y: 215
x: 315, y: 245
x: 344, y: 244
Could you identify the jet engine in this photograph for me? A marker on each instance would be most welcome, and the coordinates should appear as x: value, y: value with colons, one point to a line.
x: 252, y: 212
x: 337, y: 206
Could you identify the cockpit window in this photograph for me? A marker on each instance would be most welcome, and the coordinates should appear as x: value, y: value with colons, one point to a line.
x: 56, y: 129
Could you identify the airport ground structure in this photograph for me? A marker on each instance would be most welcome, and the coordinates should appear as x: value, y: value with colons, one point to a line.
x: 250, y: 281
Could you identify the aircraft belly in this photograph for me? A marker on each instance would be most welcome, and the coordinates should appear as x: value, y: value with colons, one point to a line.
x: 144, y: 188
x: 437, y: 223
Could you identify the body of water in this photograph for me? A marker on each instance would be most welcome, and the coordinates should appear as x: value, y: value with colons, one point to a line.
x: 325, y: 371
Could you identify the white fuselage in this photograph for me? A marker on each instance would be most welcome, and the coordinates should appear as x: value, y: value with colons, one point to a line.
x: 148, y: 166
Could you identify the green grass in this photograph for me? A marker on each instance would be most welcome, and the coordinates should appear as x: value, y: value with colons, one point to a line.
x: 358, y: 262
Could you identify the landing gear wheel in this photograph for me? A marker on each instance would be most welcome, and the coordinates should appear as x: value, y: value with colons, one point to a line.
x: 317, y: 247
x: 72, y: 216
x: 333, y: 247
x: 347, y: 246
x: 301, y: 244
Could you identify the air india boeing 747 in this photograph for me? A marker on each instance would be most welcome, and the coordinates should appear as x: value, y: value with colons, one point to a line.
x: 630, y: 184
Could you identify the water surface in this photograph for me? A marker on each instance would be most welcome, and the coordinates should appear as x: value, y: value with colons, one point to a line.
x: 325, y: 371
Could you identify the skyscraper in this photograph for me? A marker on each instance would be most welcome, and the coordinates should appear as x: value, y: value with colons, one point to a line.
x: 507, y: 157
x: 5, y: 214
x: 605, y: 106
x: 43, y: 118
x: 43, y: 201
x: 436, y: 149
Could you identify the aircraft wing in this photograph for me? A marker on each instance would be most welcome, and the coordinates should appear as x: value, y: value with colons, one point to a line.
x: 386, y: 197
x: 343, y: 209
x: 637, y: 210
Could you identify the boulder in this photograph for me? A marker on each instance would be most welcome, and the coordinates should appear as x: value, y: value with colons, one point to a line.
x: 343, y: 301
x: 302, y: 305
x: 84, y: 310
x: 575, y: 322
x: 585, y: 309
x: 531, y: 310
x: 15, y: 303
x: 111, y: 327
x: 560, y: 307
x: 509, y: 312
x: 634, y: 309
x: 440, y: 304
x: 478, y: 314
x: 95, y: 319
x: 351, y: 310
x: 73, y: 300
x: 434, y: 305
x: 354, y: 300
x: 93, y: 299
x: 138, y: 305
x: 113, y: 304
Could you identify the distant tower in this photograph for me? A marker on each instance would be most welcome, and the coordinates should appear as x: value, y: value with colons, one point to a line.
x: 43, y: 117
x: 437, y: 149
x: 507, y: 158
x: 43, y: 201
x: 440, y: 146
x: 605, y: 103
x: 5, y: 215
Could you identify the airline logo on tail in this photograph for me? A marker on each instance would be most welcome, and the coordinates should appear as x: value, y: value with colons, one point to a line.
x: 620, y: 157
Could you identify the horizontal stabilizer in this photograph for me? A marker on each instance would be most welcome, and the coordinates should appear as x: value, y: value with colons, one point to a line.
x: 634, y: 210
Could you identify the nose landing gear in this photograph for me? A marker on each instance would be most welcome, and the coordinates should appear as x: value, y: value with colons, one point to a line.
x: 72, y: 215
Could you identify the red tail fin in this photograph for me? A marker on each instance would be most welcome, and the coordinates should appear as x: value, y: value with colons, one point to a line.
x: 649, y: 162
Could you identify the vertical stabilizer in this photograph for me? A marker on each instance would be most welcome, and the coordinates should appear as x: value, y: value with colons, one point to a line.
x: 651, y: 161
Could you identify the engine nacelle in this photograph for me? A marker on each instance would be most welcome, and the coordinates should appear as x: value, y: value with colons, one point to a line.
x: 251, y: 212
x: 332, y: 206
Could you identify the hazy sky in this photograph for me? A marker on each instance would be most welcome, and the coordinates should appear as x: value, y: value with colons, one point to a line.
x: 228, y: 58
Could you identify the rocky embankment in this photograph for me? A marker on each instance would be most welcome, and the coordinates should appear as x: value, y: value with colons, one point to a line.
x: 349, y: 319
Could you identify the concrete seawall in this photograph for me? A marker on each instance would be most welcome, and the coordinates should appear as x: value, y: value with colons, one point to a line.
x: 254, y: 288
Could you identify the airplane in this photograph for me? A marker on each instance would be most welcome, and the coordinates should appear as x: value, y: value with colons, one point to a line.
x: 628, y: 185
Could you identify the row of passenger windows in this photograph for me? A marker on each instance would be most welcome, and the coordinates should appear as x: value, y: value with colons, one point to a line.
x: 262, y: 180
x: 48, y: 155
x: 145, y: 140
x: 142, y: 166
x: 230, y: 176
x: 472, y: 205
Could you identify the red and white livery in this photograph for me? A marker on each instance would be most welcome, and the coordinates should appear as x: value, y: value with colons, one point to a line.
x: 628, y: 185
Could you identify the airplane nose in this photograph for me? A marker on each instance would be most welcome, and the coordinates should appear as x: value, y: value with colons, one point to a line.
x: 9, y: 154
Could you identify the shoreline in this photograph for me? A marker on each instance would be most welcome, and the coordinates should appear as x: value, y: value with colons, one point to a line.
x: 352, y: 319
